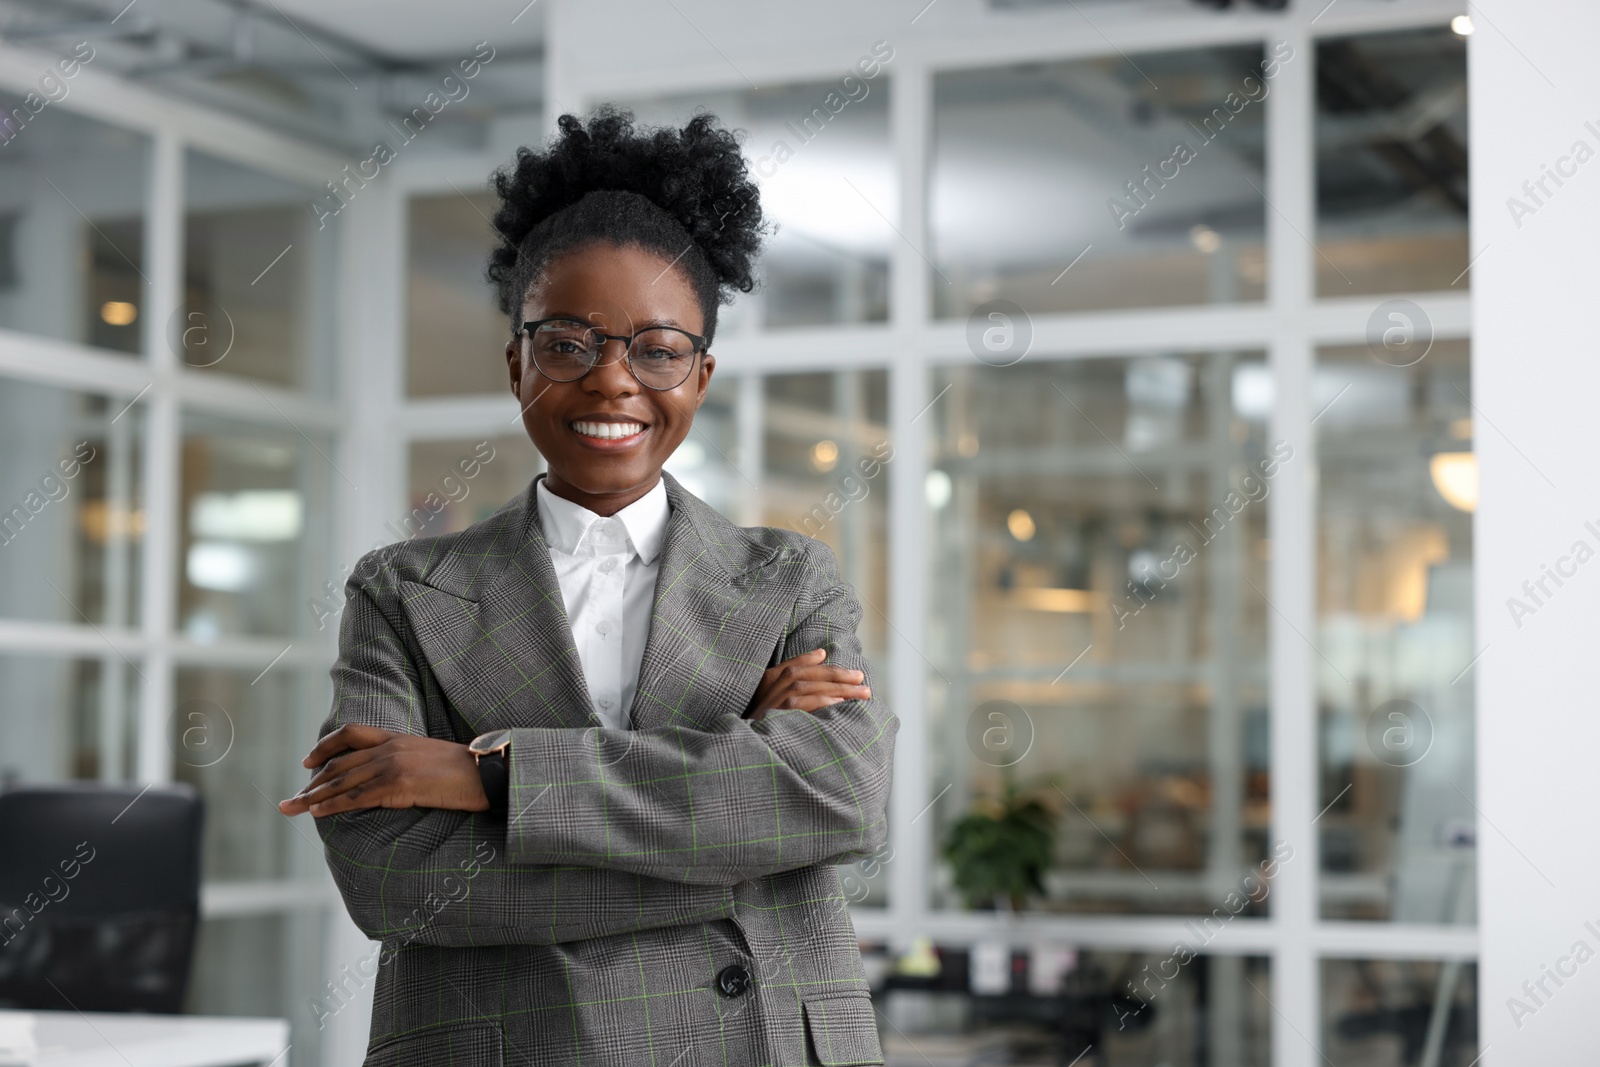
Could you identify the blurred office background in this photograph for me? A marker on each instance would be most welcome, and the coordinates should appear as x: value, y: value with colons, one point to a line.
x: 282, y: 352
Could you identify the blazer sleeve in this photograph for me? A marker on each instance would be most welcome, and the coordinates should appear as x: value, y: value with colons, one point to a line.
x: 722, y: 805
x: 444, y: 878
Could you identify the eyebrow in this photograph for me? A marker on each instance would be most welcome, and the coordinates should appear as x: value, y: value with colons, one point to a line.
x: 647, y: 324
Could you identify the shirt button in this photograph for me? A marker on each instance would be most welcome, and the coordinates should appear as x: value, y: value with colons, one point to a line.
x: 733, y: 980
x: 608, y: 566
x: 603, y: 627
x: 605, y: 702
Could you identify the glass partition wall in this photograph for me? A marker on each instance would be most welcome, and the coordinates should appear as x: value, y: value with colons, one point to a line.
x: 169, y: 418
x: 1175, y: 516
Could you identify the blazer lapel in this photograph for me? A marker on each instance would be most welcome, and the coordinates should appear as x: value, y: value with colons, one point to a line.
x: 507, y: 657
x: 706, y: 648
x: 500, y: 643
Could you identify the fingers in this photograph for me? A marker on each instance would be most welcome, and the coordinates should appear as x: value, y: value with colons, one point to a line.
x: 345, y: 761
x: 351, y: 767
x: 804, y: 659
x: 355, y: 800
x: 345, y: 738
x: 367, y: 785
x: 807, y: 683
x: 809, y: 696
x: 350, y: 786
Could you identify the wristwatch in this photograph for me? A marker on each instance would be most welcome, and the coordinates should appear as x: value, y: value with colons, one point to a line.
x: 489, y: 750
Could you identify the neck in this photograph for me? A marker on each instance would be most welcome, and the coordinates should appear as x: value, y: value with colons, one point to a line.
x: 607, y: 502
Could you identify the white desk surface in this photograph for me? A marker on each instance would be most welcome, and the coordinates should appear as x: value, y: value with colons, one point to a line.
x: 112, y: 1039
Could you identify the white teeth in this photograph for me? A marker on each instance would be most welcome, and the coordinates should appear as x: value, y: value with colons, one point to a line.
x: 608, y: 430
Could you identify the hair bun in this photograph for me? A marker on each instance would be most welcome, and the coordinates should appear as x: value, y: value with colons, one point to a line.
x: 696, y: 175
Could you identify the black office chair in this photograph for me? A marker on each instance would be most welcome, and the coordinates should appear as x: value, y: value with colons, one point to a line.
x: 99, y: 896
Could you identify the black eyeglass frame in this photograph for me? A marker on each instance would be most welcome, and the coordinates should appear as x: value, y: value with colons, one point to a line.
x: 626, y: 339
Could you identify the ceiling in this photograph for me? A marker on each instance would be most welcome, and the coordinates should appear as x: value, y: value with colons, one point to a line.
x: 335, y: 74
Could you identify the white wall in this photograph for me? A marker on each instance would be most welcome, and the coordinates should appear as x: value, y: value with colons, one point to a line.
x: 1534, y: 85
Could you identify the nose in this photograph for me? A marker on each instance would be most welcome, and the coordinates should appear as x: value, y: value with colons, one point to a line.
x: 611, y: 373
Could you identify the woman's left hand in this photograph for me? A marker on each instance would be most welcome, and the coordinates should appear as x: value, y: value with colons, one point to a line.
x: 369, y: 767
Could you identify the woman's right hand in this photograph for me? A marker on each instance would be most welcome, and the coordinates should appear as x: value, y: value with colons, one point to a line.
x: 805, y: 683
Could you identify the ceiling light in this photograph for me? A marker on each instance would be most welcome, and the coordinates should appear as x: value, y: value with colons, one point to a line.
x: 227, y: 568
x: 1021, y: 525
x: 118, y: 313
x: 1065, y: 601
x: 1462, y: 24
x: 248, y: 515
x: 1455, y: 476
x: 824, y: 454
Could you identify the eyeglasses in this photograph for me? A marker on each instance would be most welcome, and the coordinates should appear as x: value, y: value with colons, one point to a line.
x: 660, y: 357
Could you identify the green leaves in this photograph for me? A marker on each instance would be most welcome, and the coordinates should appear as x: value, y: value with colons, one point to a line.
x: 1003, y: 850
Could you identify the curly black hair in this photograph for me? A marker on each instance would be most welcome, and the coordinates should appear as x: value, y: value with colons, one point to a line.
x: 683, y: 194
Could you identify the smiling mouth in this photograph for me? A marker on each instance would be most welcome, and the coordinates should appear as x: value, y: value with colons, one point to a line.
x: 608, y: 431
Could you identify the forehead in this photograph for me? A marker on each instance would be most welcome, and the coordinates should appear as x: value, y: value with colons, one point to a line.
x: 615, y: 287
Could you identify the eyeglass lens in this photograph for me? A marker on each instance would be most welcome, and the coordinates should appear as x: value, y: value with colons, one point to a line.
x: 566, y: 350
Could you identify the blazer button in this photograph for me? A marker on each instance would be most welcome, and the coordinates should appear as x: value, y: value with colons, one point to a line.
x: 733, y: 980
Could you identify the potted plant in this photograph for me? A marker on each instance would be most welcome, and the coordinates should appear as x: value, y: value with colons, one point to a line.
x: 998, y: 852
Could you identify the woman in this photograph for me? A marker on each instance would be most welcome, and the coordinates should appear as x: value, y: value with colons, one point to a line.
x: 591, y: 761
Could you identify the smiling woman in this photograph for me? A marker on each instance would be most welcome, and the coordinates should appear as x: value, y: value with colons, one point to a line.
x: 661, y: 722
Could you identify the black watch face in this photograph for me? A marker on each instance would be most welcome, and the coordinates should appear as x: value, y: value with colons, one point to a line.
x: 489, y: 742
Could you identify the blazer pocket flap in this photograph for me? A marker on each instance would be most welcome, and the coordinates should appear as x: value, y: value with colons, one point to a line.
x: 478, y: 1045
x: 843, y: 1030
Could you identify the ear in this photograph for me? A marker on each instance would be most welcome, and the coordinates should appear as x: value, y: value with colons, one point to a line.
x: 708, y: 363
x: 514, y: 366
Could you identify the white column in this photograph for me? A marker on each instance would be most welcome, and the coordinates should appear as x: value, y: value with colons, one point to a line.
x: 1535, y: 91
x: 163, y: 268
x: 910, y: 104
x: 371, y: 373
x: 1291, y: 221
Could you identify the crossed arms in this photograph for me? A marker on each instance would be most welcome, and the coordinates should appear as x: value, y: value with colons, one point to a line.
x: 608, y: 831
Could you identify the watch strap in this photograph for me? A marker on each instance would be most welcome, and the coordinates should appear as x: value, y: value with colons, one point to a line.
x: 496, y: 779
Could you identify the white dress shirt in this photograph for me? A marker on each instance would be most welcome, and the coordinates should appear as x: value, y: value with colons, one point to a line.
x: 607, y: 568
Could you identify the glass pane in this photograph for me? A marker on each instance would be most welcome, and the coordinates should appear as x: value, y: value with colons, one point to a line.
x: 268, y: 966
x: 707, y: 463
x: 1394, y: 1013
x: 825, y: 472
x: 71, y: 505
x: 72, y: 205
x: 1042, y: 1003
x: 66, y: 718
x: 1391, y: 135
x: 456, y: 483
x: 820, y: 154
x: 254, y: 528
x: 258, y: 277
x: 239, y: 736
x: 1098, y: 633
x: 1149, y: 168
x: 1396, y: 488
x: 455, y: 335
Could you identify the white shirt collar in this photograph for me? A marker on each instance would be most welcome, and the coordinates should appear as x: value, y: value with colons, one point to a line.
x: 566, y: 523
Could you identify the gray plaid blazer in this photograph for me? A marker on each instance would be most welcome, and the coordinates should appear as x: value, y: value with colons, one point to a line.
x: 663, y: 895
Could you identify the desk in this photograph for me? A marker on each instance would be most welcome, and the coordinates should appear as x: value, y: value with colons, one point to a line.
x: 111, y: 1039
